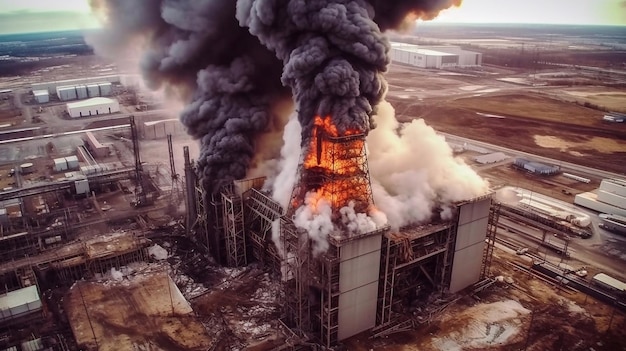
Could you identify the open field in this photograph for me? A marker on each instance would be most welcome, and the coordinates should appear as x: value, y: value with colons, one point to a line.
x: 528, y: 119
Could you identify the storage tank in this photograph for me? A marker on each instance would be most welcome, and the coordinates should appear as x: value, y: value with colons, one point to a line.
x: 26, y: 168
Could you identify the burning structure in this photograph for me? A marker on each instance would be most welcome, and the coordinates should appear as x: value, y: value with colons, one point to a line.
x: 352, y: 281
x: 343, y: 272
x: 346, y: 265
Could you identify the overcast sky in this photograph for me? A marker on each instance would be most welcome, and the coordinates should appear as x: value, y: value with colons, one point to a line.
x: 19, y: 16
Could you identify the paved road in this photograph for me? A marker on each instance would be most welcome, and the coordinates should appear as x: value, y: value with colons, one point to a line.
x: 55, y: 135
x: 577, y: 169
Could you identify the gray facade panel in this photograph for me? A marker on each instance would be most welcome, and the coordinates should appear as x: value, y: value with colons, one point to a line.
x: 471, y: 233
x: 472, y: 211
x: 357, y: 310
x: 466, y: 267
x: 358, y: 284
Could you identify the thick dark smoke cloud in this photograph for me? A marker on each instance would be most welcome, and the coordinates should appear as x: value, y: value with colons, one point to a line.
x: 197, y: 49
x: 231, y: 60
x: 333, y: 51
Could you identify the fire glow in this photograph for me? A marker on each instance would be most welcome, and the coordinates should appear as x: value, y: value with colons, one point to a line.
x: 333, y: 168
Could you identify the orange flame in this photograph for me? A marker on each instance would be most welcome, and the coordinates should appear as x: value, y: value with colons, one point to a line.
x: 334, y: 165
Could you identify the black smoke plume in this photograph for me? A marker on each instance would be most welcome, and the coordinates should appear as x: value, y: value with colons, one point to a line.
x: 231, y: 61
x: 333, y: 51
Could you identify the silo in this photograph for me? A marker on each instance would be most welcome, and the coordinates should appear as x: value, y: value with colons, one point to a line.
x: 26, y: 168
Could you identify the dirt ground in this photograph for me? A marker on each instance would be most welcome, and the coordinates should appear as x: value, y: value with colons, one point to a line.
x: 521, y: 312
x: 146, y: 312
x: 243, y: 312
x: 541, y: 121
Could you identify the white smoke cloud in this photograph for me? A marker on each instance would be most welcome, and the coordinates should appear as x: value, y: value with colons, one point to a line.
x: 356, y: 223
x: 283, y: 181
x: 276, y: 238
x: 413, y: 170
x: 315, y: 217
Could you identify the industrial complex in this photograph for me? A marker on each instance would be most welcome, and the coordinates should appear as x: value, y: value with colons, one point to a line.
x: 365, y: 280
x: 129, y: 224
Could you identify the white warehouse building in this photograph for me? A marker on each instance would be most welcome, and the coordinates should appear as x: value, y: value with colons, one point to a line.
x: 92, y: 107
x: 609, y: 198
x: 434, y: 56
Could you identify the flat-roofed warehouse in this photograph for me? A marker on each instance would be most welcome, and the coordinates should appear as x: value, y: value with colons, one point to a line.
x: 92, y: 107
x: 434, y: 56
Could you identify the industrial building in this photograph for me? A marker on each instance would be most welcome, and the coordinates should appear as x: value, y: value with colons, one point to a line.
x: 609, y: 198
x: 81, y: 92
x: 436, y: 57
x: 536, y: 167
x: 65, y: 93
x: 373, y: 280
x: 51, y: 87
x: 41, y: 96
x: 364, y: 280
x: 19, y: 303
x: 160, y: 129
x: 93, y: 107
x: 96, y: 149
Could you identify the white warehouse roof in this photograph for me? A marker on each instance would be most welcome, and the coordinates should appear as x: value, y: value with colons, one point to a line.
x: 90, y: 102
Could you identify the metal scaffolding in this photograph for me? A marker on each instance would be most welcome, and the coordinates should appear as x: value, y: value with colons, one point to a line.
x: 492, y: 226
x: 295, y: 271
x: 214, y: 216
x: 412, y: 261
x: 233, y: 218
x: 261, y: 213
x: 337, y: 168
x: 328, y: 272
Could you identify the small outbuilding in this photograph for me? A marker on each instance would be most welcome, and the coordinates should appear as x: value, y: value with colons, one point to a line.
x: 92, y: 107
x: 42, y: 96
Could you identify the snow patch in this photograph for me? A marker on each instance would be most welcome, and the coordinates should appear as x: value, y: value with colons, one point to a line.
x: 116, y: 275
x: 158, y: 252
x: 488, y: 324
